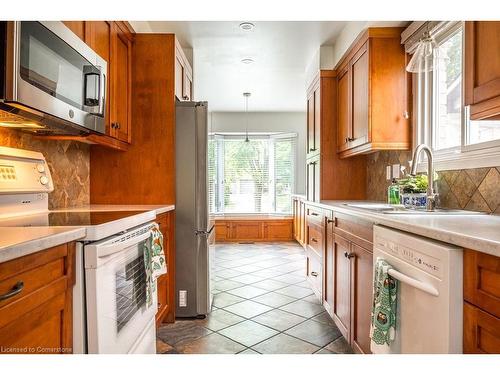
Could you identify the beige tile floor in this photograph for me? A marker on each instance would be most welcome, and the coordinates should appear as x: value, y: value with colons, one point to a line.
x: 262, y: 304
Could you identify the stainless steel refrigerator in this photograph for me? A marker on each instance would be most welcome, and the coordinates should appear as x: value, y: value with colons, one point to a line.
x: 194, y: 230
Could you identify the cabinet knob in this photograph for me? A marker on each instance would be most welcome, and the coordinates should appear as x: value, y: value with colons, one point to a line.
x: 406, y: 115
x: 315, y: 274
x: 349, y: 255
x: 185, y: 97
x: 314, y: 239
x: 329, y: 221
x: 349, y: 139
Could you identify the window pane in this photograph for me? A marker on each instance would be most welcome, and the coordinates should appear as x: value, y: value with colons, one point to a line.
x: 246, y: 176
x: 251, y: 177
x: 284, y: 169
x: 484, y: 130
x: 448, y: 93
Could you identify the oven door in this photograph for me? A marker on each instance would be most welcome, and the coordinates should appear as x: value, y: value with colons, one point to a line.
x: 117, y: 312
x: 58, y: 74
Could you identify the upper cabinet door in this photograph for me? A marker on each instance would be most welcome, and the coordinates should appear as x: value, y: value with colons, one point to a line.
x: 482, y: 68
x: 359, y: 98
x: 121, y: 84
x: 317, y: 118
x: 98, y: 37
x: 343, y: 110
x: 310, y: 125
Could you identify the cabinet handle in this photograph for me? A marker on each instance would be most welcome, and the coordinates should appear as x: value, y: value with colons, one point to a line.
x: 349, y: 139
x: 18, y: 288
x: 406, y: 115
x: 349, y: 255
x: 313, y: 163
x: 315, y: 274
x: 314, y: 239
x: 185, y: 97
x: 314, y: 214
x: 312, y: 149
x: 329, y: 221
x: 118, y: 125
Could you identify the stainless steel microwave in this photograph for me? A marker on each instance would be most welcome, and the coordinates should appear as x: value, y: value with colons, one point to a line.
x: 51, y: 82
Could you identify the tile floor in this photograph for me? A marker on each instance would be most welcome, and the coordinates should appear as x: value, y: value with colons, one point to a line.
x: 263, y: 304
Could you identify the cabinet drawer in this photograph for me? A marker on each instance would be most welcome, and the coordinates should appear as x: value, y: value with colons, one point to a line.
x: 314, y: 215
x: 481, y: 331
x: 315, y: 273
x: 482, y: 281
x: 34, y: 271
x: 356, y: 230
x: 315, y: 239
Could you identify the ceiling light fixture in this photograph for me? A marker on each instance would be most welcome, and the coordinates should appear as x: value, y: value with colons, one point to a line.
x: 246, y: 95
x: 247, y: 26
x: 247, y: 61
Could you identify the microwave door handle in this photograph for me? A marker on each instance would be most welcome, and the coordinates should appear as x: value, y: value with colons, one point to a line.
x: 427, y: 288
x: 106, y: 250
x: 102, y: 93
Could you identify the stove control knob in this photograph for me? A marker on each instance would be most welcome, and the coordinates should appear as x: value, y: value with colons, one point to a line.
x: 40, y: 168
x: 44, y: 180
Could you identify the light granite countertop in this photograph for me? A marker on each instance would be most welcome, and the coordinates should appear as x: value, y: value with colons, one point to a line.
x: 16, y: 242
x: 479, y: 232
x: 160, y: 209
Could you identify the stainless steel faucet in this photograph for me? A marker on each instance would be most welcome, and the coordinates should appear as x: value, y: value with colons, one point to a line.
x: 431, y: 196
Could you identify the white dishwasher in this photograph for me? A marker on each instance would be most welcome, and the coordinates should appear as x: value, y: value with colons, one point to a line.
x: 430, y: 293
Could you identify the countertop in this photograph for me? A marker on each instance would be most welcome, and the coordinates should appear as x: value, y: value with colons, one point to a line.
x: 160, y: 209
x: 479, y: 232
x: 16, y: 242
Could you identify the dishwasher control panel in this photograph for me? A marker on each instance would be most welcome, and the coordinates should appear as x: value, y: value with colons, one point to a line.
x: 416, y: 258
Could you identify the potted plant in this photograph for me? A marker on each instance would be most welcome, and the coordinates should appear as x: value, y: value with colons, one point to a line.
x: 414, y: 191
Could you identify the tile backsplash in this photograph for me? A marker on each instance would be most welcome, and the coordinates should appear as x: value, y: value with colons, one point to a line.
x: 476, y: 189
x: 69, y: 164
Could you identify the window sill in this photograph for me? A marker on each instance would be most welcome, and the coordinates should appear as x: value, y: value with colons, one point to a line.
x: 456, y: 159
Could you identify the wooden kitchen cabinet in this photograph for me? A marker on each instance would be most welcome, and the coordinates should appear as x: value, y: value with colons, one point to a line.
x: 373, y: 107
x: 38, y: 319
x: 253, y: 230
x: 183, y: 75
x: 341, y: 308
x: 482, y: 69
x: 482, y: 303
x: 350, y: 259
x: 328, y: 176
x: 166, y: 283
x: 361, y: 297
x: 78, y: 27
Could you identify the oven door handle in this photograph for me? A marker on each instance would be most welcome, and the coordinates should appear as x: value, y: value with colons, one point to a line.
x: 106, y: 250
x: 427, y: 288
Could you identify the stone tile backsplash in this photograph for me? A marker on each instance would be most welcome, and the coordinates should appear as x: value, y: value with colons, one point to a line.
x: 69, y: 164
x: 476, y: 189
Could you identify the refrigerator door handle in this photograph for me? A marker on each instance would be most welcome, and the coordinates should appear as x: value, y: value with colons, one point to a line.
x: 204, y: 232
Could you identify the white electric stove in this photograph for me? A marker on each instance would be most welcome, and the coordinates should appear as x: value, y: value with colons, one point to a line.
x: 110, y: 313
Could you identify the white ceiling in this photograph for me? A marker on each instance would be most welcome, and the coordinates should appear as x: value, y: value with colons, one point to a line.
x: 281, y: 51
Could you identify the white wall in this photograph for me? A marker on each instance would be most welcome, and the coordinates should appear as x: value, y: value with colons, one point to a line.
x: 290, y: 122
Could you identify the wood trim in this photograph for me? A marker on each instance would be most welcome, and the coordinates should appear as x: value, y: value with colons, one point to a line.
x: 258, y: 230
x: 92, y: 139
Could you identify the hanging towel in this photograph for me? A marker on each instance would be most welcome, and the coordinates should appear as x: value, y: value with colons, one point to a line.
x: 154, y: 261
x: 383, y: 322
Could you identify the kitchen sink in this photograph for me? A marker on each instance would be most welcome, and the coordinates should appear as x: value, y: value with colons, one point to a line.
x: 401, y: 210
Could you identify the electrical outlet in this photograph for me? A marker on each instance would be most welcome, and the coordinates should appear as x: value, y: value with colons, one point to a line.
x: 396, y: 171
x: 388, y: 173
x: 183, y: 298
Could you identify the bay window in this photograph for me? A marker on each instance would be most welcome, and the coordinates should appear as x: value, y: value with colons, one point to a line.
x: 254, y: 176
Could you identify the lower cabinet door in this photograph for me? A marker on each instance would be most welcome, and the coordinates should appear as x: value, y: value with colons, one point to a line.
x: 342, y: 285
x: 361, y: 297
x: 329, y: 263
x: 481, y: 331
x: 315, y: 273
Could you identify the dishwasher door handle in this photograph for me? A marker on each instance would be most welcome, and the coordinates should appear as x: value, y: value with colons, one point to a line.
x: 413, y: 282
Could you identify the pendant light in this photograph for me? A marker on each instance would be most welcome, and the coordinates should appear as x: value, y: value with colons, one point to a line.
x: 246, y: 95
x: 422, y: 60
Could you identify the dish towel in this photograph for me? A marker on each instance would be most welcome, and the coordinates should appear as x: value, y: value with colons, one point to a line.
x: 154, y: 261
x: 383, y: 322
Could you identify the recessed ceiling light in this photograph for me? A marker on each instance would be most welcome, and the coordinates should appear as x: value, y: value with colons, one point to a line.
x: 247, y: 61
x: 247, y: 26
